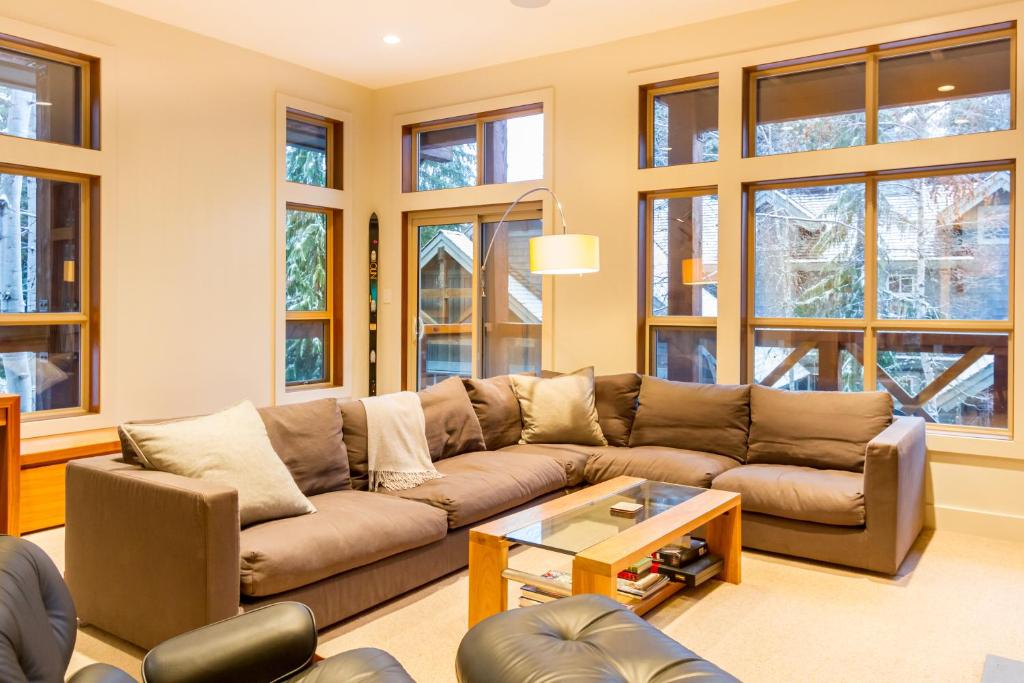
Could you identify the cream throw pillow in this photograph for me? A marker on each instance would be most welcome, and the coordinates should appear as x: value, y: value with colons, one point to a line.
x: 559, y: 409
x: 230, y: 447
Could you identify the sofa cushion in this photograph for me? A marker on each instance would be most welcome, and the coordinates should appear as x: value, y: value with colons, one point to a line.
x: 572, y: 457
x: 354, y: 431
x: 805, y: 493
x: 710, y: 418
x: 350, y: 529
x: 478, y: 485
x: 616, y: 405
x: 231, y: 448
x: 657, y: 463
x: 308, y: 438
x: 497, y: 409
x: 451, y: 424
x: 826, y: 429
x: 559, y: 409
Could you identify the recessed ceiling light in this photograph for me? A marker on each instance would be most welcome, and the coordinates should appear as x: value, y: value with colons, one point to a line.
x: 530, y: 4
x: 946, y: 88
x: 392, y: 39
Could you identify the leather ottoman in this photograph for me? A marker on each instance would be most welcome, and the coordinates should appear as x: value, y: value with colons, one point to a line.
x: 585, y: 639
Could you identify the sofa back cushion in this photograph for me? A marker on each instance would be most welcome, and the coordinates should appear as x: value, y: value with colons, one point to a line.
x: 451, y: 425
x: 616, y: 405
x: 713, y: 418
x: 824, y: 429
x: 354, y: 432
x: 497, y: 410
x: 308, y: 438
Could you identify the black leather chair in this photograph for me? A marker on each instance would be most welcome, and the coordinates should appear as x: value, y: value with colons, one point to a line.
x: 38, y: 627
x: 583, y: 639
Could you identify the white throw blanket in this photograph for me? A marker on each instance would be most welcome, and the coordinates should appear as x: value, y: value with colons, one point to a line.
x: 396, y: 439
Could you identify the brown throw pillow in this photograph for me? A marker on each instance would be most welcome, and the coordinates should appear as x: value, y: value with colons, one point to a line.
x: 497, y: 410
x: 451, y: 425
x: 713, y: 418
x: 308, y: 438
x: 560, y: 409
x: 616, y: 405
x: 824, y: 429
x: 353, y: 426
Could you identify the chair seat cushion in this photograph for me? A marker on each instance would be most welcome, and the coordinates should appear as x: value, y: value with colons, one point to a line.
x: 350, y: 529
x: 586, y: 639
x: 572, y: 457
x: 658, y: 463
x: 478, y: 485
x: 811, y: 495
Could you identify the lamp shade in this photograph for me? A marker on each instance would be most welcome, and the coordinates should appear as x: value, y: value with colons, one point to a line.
x: 565, y: 254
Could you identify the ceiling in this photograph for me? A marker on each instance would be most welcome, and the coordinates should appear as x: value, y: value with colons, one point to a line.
x: 343, y: 38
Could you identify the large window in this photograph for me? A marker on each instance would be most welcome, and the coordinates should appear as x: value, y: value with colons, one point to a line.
x: 469, y: 320
x: 898, y: 281
x: 45, y: 275
x: 927, y: 88
x: 45, y: 94
x: 312, y: 276
x: 680, y: 242
x: 681, y: 122
x: 494, y: 147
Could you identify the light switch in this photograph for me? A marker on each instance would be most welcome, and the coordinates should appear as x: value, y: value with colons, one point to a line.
x: 385, y: 295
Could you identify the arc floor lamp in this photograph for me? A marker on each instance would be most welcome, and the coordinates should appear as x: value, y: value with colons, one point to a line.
x: 557, y: 254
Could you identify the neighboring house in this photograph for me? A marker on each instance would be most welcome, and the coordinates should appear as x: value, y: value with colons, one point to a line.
x: 446, y: 308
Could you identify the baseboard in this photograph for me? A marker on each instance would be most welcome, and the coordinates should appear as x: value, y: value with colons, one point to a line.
x: 977, y: 522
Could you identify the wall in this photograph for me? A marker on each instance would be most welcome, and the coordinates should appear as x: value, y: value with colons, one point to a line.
x: 188, y: 166
x: 974, y: 483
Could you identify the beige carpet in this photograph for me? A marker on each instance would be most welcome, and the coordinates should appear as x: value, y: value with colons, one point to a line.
x: 958, y: 599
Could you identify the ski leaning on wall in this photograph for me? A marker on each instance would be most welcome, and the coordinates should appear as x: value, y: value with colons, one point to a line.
x: 374, y: 242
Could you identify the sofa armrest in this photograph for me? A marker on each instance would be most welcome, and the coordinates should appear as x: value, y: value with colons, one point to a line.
x: 149, y: 554
x: 894, y: 472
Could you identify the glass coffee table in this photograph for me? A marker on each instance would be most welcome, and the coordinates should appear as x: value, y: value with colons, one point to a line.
x: 602, y: 544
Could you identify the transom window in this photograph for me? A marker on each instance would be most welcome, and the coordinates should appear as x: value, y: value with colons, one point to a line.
x: 494, y: 147
x: 681, y: 122
x: 312, y: 150
x: 951, y: 84
x: 894, y: 281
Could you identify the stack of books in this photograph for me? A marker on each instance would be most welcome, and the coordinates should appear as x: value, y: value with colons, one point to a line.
x: 536, y: 595
x: 641, y: 579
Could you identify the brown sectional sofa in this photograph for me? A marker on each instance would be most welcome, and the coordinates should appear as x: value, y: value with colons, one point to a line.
x: 824, y: 476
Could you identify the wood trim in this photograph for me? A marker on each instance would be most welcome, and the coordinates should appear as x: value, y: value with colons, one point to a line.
x: 10, y: 477
x: 40, y: 451
x: 642, y: 289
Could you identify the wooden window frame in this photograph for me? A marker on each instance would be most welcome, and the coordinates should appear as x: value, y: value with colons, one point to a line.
x: 87, y: 317
x: 647, y: 95
x: 335, y: 135
x: 89, y: 104
x: 870, y: 324
x: 871, y: 57
x: 411, y: 136
x: 646, y: 269
x: 332, y: 316
x: 410, y: 250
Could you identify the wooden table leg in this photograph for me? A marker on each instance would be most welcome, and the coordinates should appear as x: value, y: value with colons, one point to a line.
x: 724, y: 540
x: 590, y: 578
x: 488, y: 589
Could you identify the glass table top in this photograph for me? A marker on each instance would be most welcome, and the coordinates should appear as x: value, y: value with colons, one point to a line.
x: 573, y: 531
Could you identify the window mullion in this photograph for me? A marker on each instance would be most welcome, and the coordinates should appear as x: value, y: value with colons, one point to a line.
x: 869, y: 352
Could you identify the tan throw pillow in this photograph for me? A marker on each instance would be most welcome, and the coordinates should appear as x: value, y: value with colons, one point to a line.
x: 559, y: 410
x: 497, y: 409
x: 231, y: 448
x: 308, y: 439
